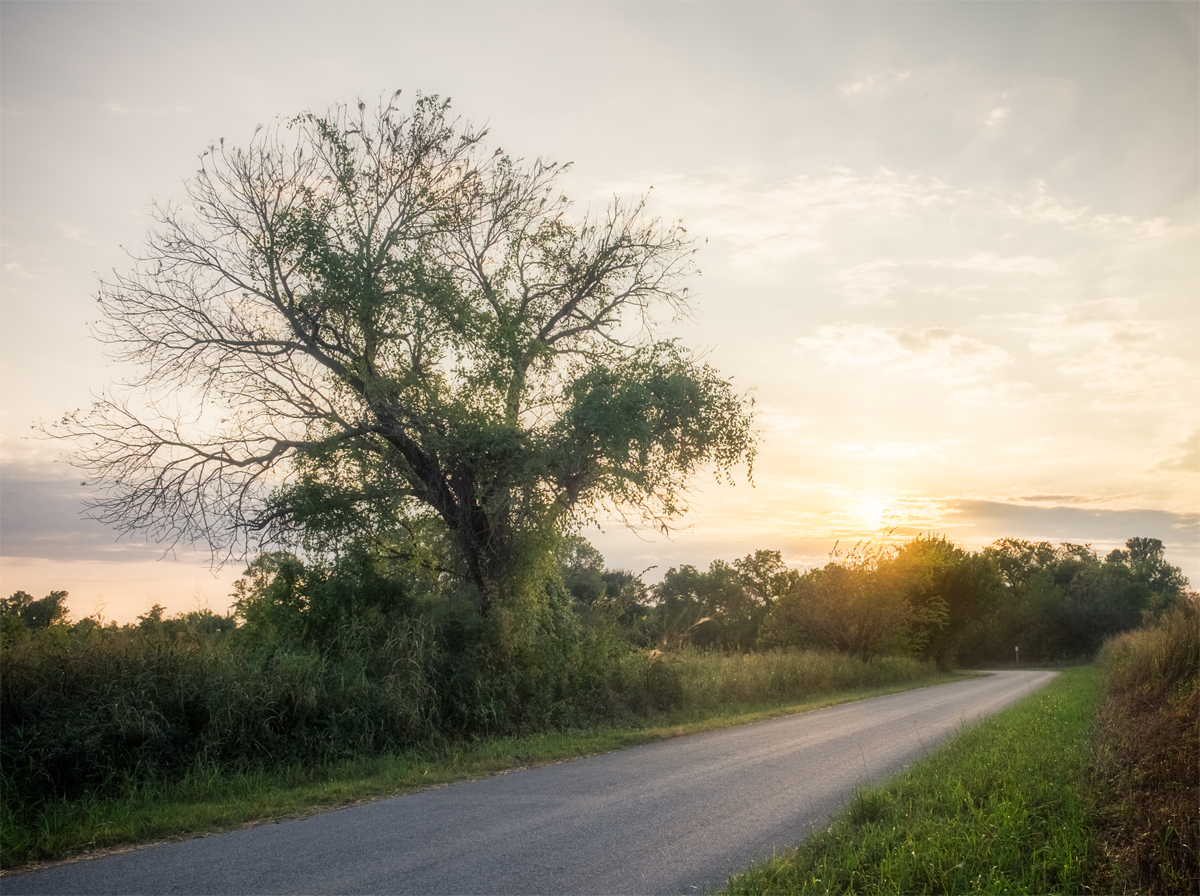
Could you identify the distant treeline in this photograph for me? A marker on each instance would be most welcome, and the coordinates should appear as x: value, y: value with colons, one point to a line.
x: 926, y: 598
x: 362, y: 655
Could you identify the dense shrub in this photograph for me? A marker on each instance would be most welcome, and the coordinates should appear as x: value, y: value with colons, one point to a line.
x: 95, y: 710
x: 1149, y: 755
x: 91, y: 711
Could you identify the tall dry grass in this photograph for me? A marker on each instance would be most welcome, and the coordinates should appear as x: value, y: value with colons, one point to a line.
x: 710, y: 680
x: 1149, y: 756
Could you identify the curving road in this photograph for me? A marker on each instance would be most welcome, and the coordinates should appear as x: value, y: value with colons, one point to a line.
x: 671, y: 817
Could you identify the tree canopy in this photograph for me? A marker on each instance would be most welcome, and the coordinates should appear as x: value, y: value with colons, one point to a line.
x: 365, y: 323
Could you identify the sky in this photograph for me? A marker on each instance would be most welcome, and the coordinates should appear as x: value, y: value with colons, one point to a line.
x: 952, y: 250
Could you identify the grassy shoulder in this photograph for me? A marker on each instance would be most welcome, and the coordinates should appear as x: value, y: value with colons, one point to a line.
x: 208, y: 800
x: 1005, y: 807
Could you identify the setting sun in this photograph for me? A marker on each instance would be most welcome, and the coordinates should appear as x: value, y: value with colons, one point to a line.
x: 872, y: 513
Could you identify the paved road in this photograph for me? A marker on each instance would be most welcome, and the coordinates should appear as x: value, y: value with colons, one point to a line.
x: 671, y: 817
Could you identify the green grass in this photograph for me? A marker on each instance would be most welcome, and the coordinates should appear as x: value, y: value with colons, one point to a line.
x: 1005, y: 807
x: 209, y: 799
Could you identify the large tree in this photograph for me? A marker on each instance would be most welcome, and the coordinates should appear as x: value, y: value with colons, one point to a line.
x: 365, y: 321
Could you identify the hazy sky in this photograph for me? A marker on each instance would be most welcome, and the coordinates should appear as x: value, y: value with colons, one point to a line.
x: 953, y: 248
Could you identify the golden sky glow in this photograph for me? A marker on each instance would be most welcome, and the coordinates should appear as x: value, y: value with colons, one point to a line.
x: 951, y: 248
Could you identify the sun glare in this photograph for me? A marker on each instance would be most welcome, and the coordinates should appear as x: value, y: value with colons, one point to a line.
x: 872, y: 513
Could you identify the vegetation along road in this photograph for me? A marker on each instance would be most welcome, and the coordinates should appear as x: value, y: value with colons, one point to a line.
x: 663, y: 818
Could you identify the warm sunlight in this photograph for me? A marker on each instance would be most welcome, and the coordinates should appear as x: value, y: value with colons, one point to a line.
x: 948, y: 319
x: 872, y: 513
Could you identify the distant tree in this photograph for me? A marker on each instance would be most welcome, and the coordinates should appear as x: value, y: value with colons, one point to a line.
x: 1062, y: 601
x: 35, y: 615
x: 733, y: 599
x: 628, y: 595
x: 1145, y: 559
x: 1018, y: 559
x: 205, y: 622
x: 363, y: 321
x: 679, y: 606
x: 863, y: 603
x: 615, y: 597
x: 940, y: 576
x: 152, y: 619
x: 765, y: 577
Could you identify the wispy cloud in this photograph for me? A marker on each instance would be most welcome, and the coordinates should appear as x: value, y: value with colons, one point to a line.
x: 1042, y: 207
x: 875, y: 82
x: 933, y: 353
x: 117, y: 108
x: 16, y: 269
x: 1186, y: 456
x: 932, y: 450
x: 1115, y: 354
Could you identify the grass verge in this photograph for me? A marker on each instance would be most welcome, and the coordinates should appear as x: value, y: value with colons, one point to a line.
x: 1003, y: 808
x: 208, y: 799
x: 1148, y: 764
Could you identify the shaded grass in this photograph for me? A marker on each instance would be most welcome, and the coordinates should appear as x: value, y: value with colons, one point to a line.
x: 208, y: 798
x: 1005, y: 807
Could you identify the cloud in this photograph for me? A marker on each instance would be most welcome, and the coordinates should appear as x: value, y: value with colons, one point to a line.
x: 1008, y: 394
x: 1187, y: 456
x: 931, y: 353
x: 15, y: 268
x: 766, y: 222
x: 1041, y: 207
x: 1128, y: 363
x: 1076, y: 524
x: 77, y: 235
x: 997, y: 264
x: 842, y: 238
x: 875, y: 82
x: 126, y: 109
x: 934, y: 450
x: 1063, y: 499
x: 44, y: 518
x: 1122, y: 358
x: 778, y: 423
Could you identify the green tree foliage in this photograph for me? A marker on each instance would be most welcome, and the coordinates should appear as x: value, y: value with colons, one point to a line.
x: 283, y: 600
x: 20, y: 612
x: 707, y: 609
x: 393, y: 330
x: 869, y: 602
x: 612, y: 598
x: 948, y: 588
x: 582, y: 570
x: 723, y: 607
x: 765, y: 577
x: 1062, y: 601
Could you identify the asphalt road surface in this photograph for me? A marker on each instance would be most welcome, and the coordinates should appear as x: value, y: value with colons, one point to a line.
x: 672, y: 817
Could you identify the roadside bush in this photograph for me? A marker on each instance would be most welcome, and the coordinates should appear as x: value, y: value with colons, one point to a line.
x: 1149, y: 755
x: 94, y: 711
